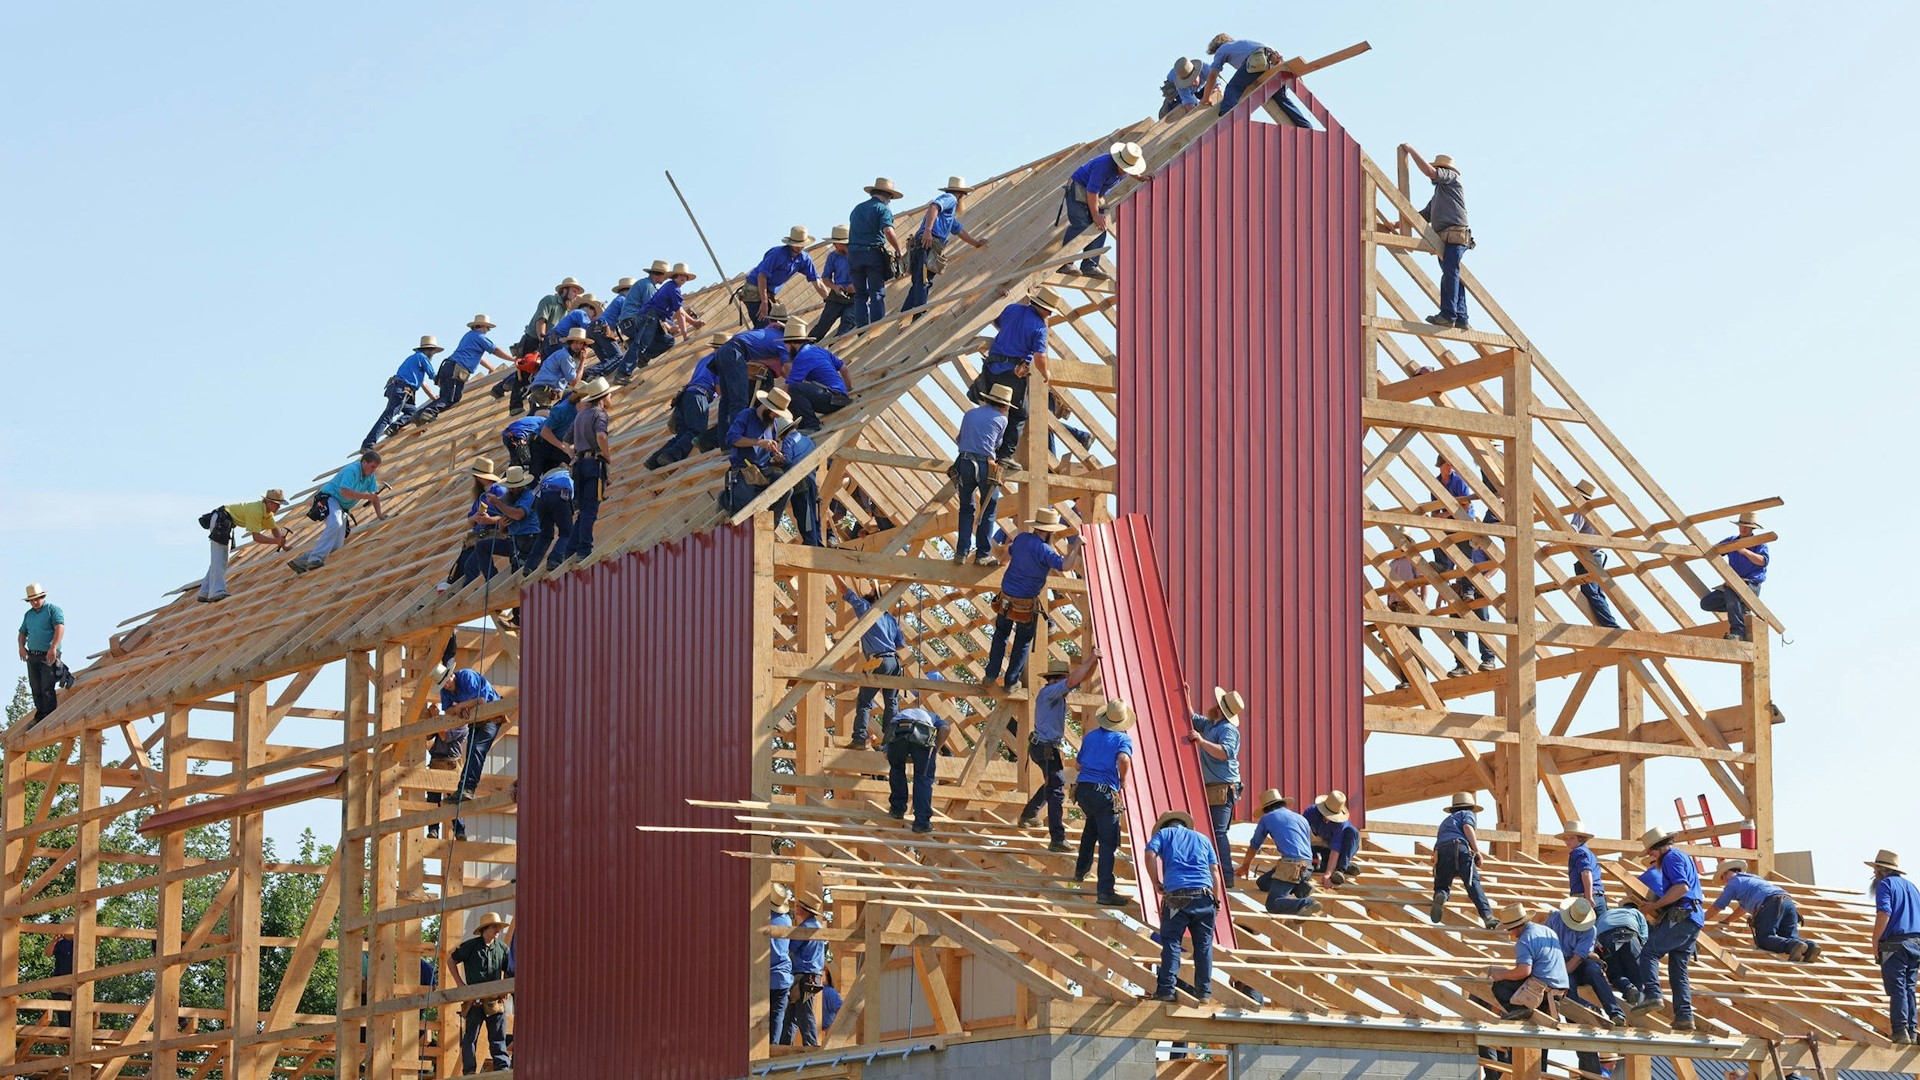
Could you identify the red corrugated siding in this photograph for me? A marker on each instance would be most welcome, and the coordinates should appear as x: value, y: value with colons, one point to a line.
x: 1140, y: 664
x: 636, y: 696
x: 1241, y: 290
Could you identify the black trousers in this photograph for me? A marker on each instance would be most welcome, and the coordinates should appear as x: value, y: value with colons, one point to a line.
x: 40, y: 680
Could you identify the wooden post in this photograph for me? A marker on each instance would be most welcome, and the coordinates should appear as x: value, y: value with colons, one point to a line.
x: 765, y: 620
x: 1633, y: 770
x: 1521, y: 811
x: 355, y: 812
x: 1756, y: 701
x: 86, y: 940
x: 250, y: 725
x: 13, y: 819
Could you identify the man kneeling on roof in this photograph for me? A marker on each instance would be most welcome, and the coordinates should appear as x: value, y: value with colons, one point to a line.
x: 1335, y: 840
x: 1774, y: 915
x: 755, y: 440
x: 1538, y: 966
x: 1574, y: 925
x: 1181, y: 864
x: 1289, y: 885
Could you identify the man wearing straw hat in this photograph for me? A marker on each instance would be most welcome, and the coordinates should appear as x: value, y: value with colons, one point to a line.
x: 870, y: 236
x: 1335, y: 840
x: 779, y: 966
x: 1590, y: 591
x: 816, y: 379
x: 809, y: 975
x: 755, y: 453
x: 781, y: 262
x: 518, y: 509
x: 688, y: 420
x: 1677, y: 915
x: 1030, y: 556
x: 332, y: 502
x: 414, y: 372
x: 472, y: 351
x: 1773, y: 914
x: 1289, y: 884
x: 1106, y: 757
x: 913, y: 739
x: 560, y: 370
x: 1043, y: 746
x: 1573, y: 922
x: 1251, y: 62
x: 662, y: 320
x: 1019, y: 345
x: 1446, y: 214
x: 1216, y: 736
x: 42, y: 630
x: 1750, y: 563
x: 1896, y: 942
x: 581, y: 316
x: 1456, y: 856
x: 482, y: 959
x: 1085, y: 200
x: 978, y: 442
x: 836, y: 273
x: 1182, y: 87
x: 880, y: 646
x: 1583, y: 869
x: 256, y: 517
x: 591, y: 464
x: 1539, y: 970
x: 548, y: 313
x: 927, y: 250
x: 1181, y: 864
x: 608, y: 324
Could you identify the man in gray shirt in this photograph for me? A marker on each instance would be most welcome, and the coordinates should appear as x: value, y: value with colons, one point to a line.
x: 590, y: 453
x: 1447, y: 213
x: 1043, y: 747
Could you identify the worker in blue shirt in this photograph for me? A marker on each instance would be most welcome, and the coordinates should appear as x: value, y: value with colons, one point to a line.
x: 551, y: 445
x: 1019, y: 345
x: 636, y: 298
x: 458, y: 366
x: 781, y: 262
x: 1456, y: 485
x: 1335, y: 840
x: 1181, y: 865
x: 1182, y: 86
x: 829, y: 1004
x: 1456, y: 855
x: 1573, y: 921
x: 662, y: 320
x: 1583, y: 869
x: 732, y: 365
x: 836, y: 274
x: 1086, y: 200
x: 1251, y: 62
x: 754, y: 448
x: 1896, y: 942
x: 779, y: 968
x: 553, y: 505
x: 518, y: 437
x: 1538, y: 964
x: 881, y: 645
x: 1469, y: 595
x: 688, y: 420
x: 341, y: 494
x: 462, y: 693
x: 1215, y: 735
x: 1594, y: 559
x: 804, y: 497
x: 1774, y: 915
x: 809, y: 976
x: 982, y: 429
x: 870, y: 235
x: 560, y: 371
x: 1105, y: 760
x: 1620, y: 935
x: 1289, y: 884
x: 913, y: 739
x: 414, y: 372
x: 585, y: 312
x: 1017, y: 614
x: 1044, y: 744
x: 927, y: 250
x: 816, y: 379
x: 518, y: 512
x: 1750, y: 563
x: 1677, y: 913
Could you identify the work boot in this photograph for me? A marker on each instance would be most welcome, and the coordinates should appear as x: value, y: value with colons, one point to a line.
x: 1461, y: 324
x: 923, y: 828
x: 1336, y: 878
x: 1437, y: 319
x: 1111, y: 900
x: 1401, y: 685
x: 1649, y: 1003
x: 1311, y: 907
x: 983, y: 559
x: 1490, y: 922
x: 1904, y: 1038
x: 1488, y: 665
x: 1439, y: 909
x: 1517, y: 1012
x: 1813, y: 951
x: 1058, y: 845
x: 1168, y: 996
x: 960, y: 557
x: 1685, y: 1024
x: 1458, y: 670
x: 433, y: 832
x: 1617, y: 1019
x: 1797, y: 951
x: 1028, y: 821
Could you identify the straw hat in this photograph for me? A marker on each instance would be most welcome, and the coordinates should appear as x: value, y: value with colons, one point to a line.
x: 491, y: 918
x: 579, y: 334
x: 1886, y: 860
x: 1513, y: 915
x: 777, y: 312
x: 1444, y: 161
x: 1333, y: 806
x: 782, y: 903
x: 775, y: 399
x: 1271, y: 798
x: 428, y: 344
x: 798, y: 236
x: 35, y: 592
x: 593, y: 389
x: 681, y: 269
x: 807, y: 900
x: 569, y: 283
x: 999, y: 394
x: 1574, y: 828
x: 1184, y: 69
x: 1047, y: 520
x: 481, y: 322
x: 1115, y: 715
x: 884, y: 188
x: 797, y: 330
x: 1585, y: 487
x: 1577, y: 912
x: 1655, y: 837
x: 659, y: 266
x: 516, y: 477
x: 717, y: 339
x: 957, y: 185
x: 840, y: 235
x: 482, y: 469
x: 1463, y: 800
x: 1230, y: 702
x: 1747, y: 519
x: 1730, y: 866
x: 1218, y: 40
x: 1173, y: 817
x: 591, y: 301
x: 1058, y: 669
x: 274, y: 495
x: 1128, y: 155
x: 623, y: 285
x: 1046, y: 298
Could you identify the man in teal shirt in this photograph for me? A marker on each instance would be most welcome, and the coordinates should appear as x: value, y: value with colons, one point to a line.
x: 871, y: 235
x: 341, y: 494
x: 41, y: 632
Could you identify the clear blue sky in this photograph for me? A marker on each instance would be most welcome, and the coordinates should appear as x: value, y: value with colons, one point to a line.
x: 229, y: 222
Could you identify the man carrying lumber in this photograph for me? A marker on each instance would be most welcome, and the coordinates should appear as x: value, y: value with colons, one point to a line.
x: 1773, y: 914
x: 1677, y: 916
x: 1251, y: 62
x: 1216, y: 736
x: 462, y: 694
x: 1590, y: 591
x: 979, y: 438
x: 689, y: 421
x: 1030, y: 556
x: 913, y: 738
x: 781, y: 262
x: 1446, y: 214
x: 1573, y: 922
x: 1181, y: 864
x: 881, y: 645
x: 1019, y: 346
x: 1583, y: 869
x: 1106, y: 757
x: 1896, y: 941
x: 1335, y: 840
x: 809, y: 976
x: 1044, y: 744
x: 472, y: 352
x: 256, y: 517
x: 1456, y: 856
x: 414, y: 372
x: 1289, y: 884
x: 870, y: 236
x: 927, y: 249
x: 1085, y: 204
x: 1751, y: 564
x: 1538, y: 970
x: 331, y: 504
x: 482, y: 959
x: 816, y: 379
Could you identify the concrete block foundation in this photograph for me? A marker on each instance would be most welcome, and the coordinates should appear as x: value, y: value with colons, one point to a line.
x: 1035, y: 1057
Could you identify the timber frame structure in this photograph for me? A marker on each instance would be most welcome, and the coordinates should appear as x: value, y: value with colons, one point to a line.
x: 204, y: 713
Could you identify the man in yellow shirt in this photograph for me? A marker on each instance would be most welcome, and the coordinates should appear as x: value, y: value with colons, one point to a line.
x: 256, y: 518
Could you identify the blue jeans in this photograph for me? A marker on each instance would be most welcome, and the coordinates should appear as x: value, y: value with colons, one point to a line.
x: 451, y: 389
x: 555, y: 508
x: 1196, y: 919
x: 1673, y: 942
x: 1052, y: 789
x: 863, y: 705
x: 1243, y: 81
x: 1022, y: 641
x: 900, y: 754
x: 1079, y: 220
x: 648, y: 341
x: 776, y: 1009
x: 1722, y: 598
x: 589, y: 485
x: 399, y: 407
x: 690, y: 413
x: 976, y: 525
x: 1898, y: 973
x: 738, y: 492
x: 1454, y: 860
x: 812, y: 400
x: 1589, y: 974
x: 1286, y: 897
x: 1776, y: 924
x: 1016, y: 429
x: 476, y: 1018
x: 1453, y: 295
x: 1468, y: 594
x: 729, y: 366
x: 1222, y: 817
x: 833, y: 314
x: 1622, y: 948
x: 799, y: 1017
x: 1100, y: 837
x: 917, y: 259
x: 1323, y: 852
x: 1596, y: 598
x: 804, y: 501
x: 869, y: 266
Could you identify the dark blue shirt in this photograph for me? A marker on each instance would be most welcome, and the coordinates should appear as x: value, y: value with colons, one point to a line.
x: 780, y: 966
x: 1022, y: 336
x: 560, y: 418
x: 559, y: 478
x: 611, y: 316
x: 1099, y: 758
x: 829, y: 1006
x: 63, y: 956
x: 636, y: 298
x: 884, y: 635
x: 815, y: 364
x: 480, y: 506
x: 1187, y: 859
x: 1748, y: 571
x: 664, y: 302
x: 1099, y: 175
x: 838, y: 271
x: 1050, y: 711
x: 473, y: 346
x: 766, y: 343
x: 1453, y: 827
x: 1896, y: 896
x: 1676, y: 868
x: 981, y: 429
x: 809, y: 957
x: 780, y: 263
x: 1029, y: 558
x: 578, y: 317
x: 468, y: 685
x: 525, y: 428
x: 1582, y: 858
x: 1291, y: 836
x: 703, y: 377
x: 867, y: 224
x: 1458, y: 487
x: 1572, y: 942
x: 795, y: 446
x: 415, y: 370
x: 529, y: 522
x: 1329, y: 833
x: 749, y: 424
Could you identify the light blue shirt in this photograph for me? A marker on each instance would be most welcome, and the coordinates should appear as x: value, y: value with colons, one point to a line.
x: 1292, y: 837
x: 556, y: 370
x: 1189, y: 94
x: 780, y: 967
x: 1618, y: 916
x: 1572, y: 942
x: 981, y: 430
x: 1187, y: 859
x: 474, y: 346
x: 884, y: 635
x: 1234, y: 54
x: 945, y: 224
x: 1747, y: 890
x: 1212, y: 770
x: 349, y: 478
x: 1539, y: 948
x: 1050, y: 711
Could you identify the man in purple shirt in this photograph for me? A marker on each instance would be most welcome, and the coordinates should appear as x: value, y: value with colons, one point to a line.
x: 816, y: 378
x: 662, y: 320
x: 690, y: 405
x: 782, y: 261
x: 1030, y: 557
x: 1751, y: 564
x: 1019, y: 345
x: 836, y: 273
x: 1086, y: 199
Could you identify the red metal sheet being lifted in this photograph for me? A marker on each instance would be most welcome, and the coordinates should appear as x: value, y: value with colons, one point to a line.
x: 1140, y: 664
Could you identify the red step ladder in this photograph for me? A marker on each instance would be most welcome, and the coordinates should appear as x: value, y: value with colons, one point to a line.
x: 1687, y: 821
